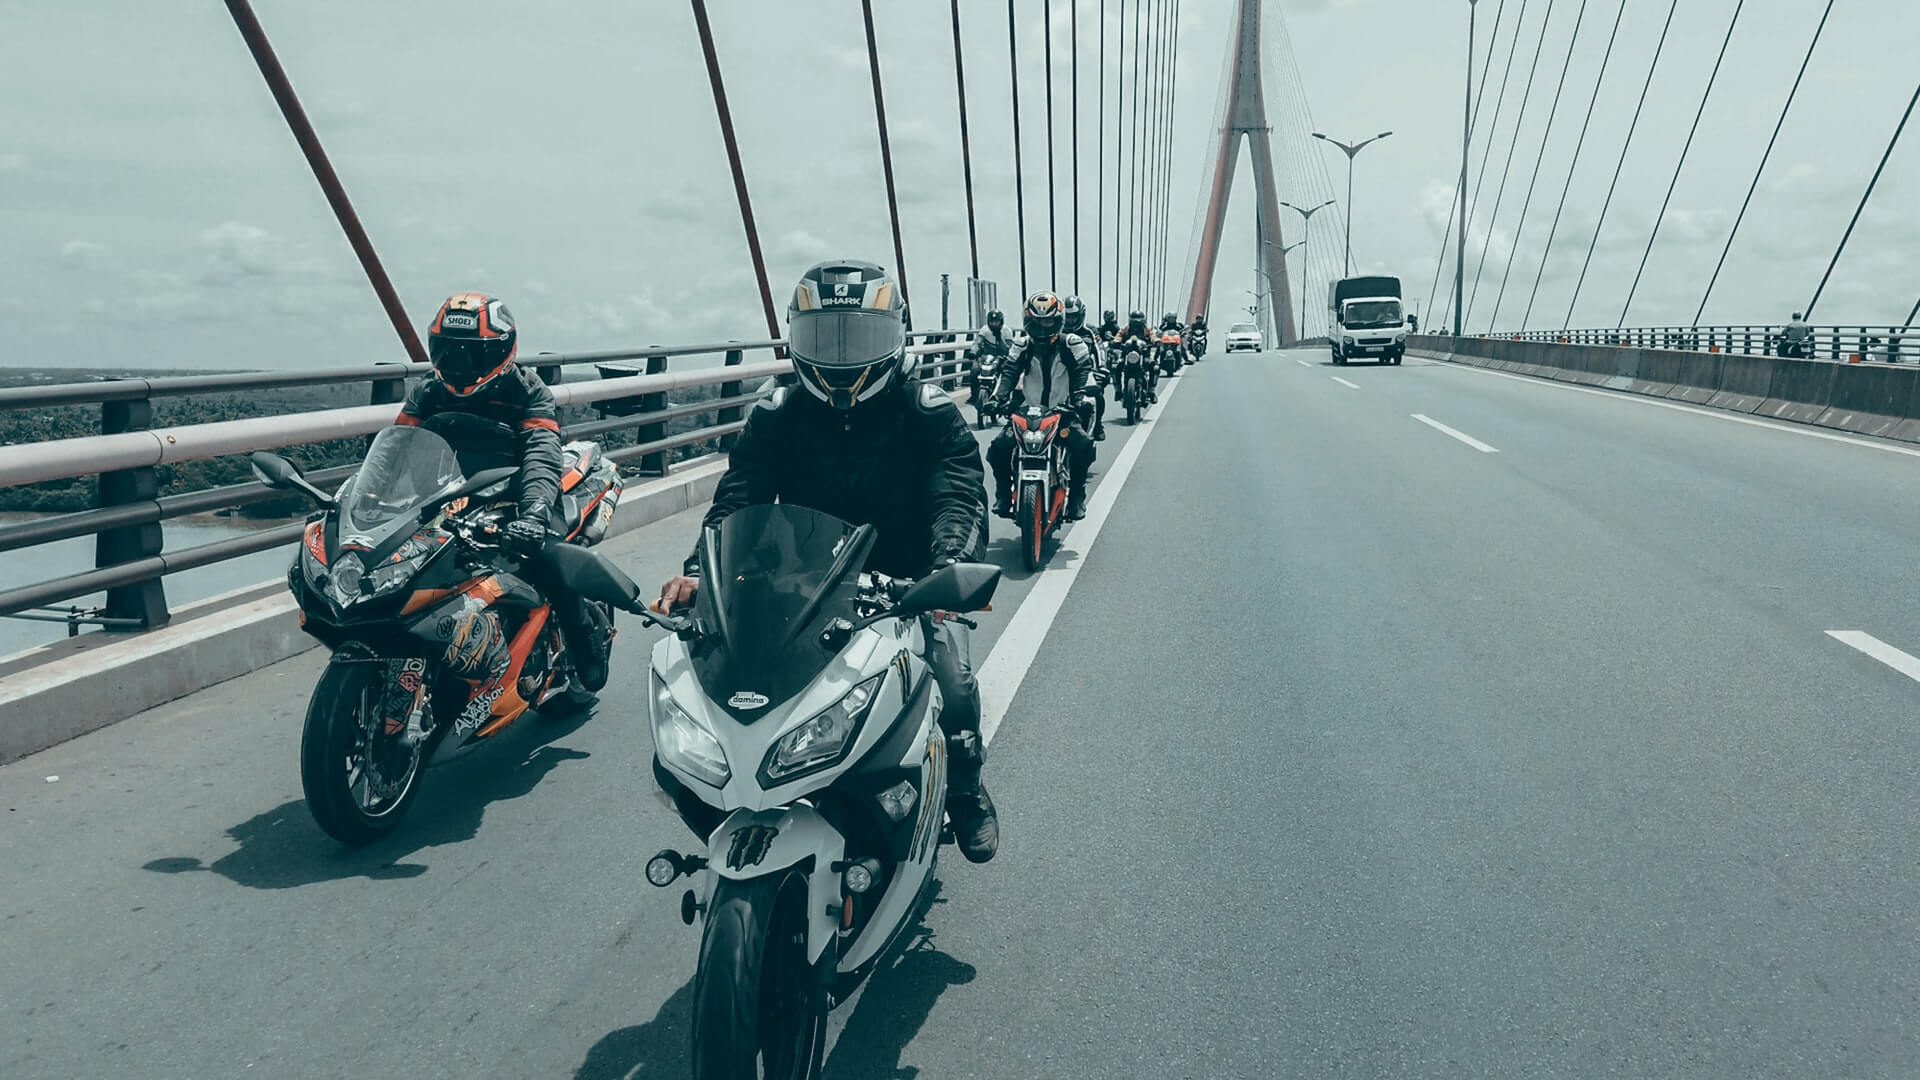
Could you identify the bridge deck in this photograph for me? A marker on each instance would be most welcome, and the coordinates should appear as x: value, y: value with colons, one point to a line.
x: 1355, y: 747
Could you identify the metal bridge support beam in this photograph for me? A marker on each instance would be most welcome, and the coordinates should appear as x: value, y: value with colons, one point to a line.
x: 144, y: 602
x: 1246, y: 114
x: 732, y: 414
x: 654, y: 464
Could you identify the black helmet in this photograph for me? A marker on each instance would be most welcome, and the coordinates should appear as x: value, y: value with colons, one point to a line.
x: 1170, y: 319
x: 1044, y: 316
x: 1137, y: 320
x: 471, y: 342
x: 1108, y: 318
x: 1200, y: 322
x: 1076, y: 314
x: 847, y: 331
x: 996, y: 319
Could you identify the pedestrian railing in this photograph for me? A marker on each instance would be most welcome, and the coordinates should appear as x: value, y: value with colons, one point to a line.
x: 1844, y: 344
x: 634, y: 392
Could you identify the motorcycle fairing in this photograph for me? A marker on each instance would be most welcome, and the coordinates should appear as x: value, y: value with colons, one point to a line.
x: 756, y: 843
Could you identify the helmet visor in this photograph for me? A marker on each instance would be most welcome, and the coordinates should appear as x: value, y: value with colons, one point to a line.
x: 848, y: 341
x: 462, y: 362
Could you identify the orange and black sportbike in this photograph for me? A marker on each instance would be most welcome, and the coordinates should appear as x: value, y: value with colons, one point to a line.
x: 439, y: 639
x: 1040, y: 455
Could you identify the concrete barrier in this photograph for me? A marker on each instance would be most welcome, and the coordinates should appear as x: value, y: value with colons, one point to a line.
x: 1658, y: 372
x: 1745, y: 382
x: 1869, y: 399
x: 1699, y: 377
x: 1801, y: 390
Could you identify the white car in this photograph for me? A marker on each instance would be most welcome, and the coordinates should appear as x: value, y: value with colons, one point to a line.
x: 1244, y: 336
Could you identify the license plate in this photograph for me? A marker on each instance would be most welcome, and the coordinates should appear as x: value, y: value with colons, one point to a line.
x: 1032, y: 474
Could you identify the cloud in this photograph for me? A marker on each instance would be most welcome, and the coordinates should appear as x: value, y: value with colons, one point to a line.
x: 84, y: 253
x: 13, y: 163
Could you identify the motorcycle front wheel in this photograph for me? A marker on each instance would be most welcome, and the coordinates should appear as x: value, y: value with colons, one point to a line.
x: 1032, y: 515
x: 358, y: 778
x: 759, y: 1009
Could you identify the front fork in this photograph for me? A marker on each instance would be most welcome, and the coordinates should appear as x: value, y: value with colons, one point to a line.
x: 753, y: 844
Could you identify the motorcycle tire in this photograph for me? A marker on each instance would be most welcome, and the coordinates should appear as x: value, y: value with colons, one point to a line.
x: 1031, y: 514
x: 332, y: 733
x: 759, y: 1008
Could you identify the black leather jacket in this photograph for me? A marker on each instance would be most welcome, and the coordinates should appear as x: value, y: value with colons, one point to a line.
x: 905, y: 462
x: 524, y: 428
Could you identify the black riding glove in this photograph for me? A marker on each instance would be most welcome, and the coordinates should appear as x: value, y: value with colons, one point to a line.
x: 523, y: 538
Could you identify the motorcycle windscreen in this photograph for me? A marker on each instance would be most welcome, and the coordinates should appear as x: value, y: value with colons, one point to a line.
x: 404, y: 468
x: 776, y: 574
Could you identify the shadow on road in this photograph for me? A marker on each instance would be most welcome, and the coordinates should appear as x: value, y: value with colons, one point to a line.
x: 282, y: 848
x: 892, y: 1008
x: 891, y: 1011
x: 660, y: 1047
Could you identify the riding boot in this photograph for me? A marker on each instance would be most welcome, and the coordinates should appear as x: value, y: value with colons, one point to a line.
x: 589, y: 639
x: 1076, y: 502
x: 976, y: 827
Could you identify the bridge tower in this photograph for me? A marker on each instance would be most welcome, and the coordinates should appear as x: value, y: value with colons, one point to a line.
x: 1246, y: 115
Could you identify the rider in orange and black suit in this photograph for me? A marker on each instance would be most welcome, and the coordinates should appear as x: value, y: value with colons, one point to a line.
x: 494, y: 413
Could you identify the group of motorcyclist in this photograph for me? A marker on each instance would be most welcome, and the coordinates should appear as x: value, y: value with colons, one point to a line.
x: 859, y: 439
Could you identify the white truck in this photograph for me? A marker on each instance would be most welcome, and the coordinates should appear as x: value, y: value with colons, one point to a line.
x: 1365, y: 318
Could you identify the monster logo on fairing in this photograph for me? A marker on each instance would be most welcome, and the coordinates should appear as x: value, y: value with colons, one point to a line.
x: 750, y: 846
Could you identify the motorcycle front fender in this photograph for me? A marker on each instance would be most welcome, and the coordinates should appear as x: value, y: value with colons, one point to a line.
x: 751, y: 844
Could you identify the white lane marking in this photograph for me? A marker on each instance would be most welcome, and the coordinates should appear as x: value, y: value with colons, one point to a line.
x: 1006, y: 667
x: 1717, y: 414
x: 1461, y: 435
x: 1302, y: 363
x: 1345, y: 383
x: 1879, y: 650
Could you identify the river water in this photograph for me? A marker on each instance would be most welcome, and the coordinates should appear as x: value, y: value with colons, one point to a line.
x: 35, y: 564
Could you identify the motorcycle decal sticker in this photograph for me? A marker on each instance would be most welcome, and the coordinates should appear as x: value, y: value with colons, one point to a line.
x: 747, y: 699
x: 900, y: 665
x: 750, y: 846
x: 927, y: 830
x: 477, y: 711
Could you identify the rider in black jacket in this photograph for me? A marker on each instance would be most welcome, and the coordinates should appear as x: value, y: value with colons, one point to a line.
x: 494, y: 413
x: 863, y: 443
x: 1095, y: 407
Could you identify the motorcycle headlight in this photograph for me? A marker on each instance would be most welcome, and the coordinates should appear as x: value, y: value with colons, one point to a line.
x: 683, y: 742
x: 347, y: 572
x: 822, y: 741
x: 1033, y: 441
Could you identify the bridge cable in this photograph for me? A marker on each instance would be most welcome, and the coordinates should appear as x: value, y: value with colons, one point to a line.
x: 1019, y: 179
x: 1166, y: 210
x: 1573, y: 166
x: 886, y: 160
x: 1100, y: 170
x: 1163, y: 204
x: 1546, y: 137
x: 295, y: 114
x: 1681, y: 164
x: 1149, y: 215
x: 1619, y: 165
x: 1139, y: 135
x: 1453, y: 204
x: 1073, y: 57
x: 1493, y: 132
x: 733, y: 162
x: 1053, y: 228
x: 1782, y: 122
x: 1119, y: 145
x: 1512, y: 147
x: 966, y: 153
x: 1891, y: 143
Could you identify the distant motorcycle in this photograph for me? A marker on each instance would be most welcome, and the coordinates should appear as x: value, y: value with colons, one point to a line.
x: 439, y: 641
x: 1134, y: 379
x: 1169, y: 353
x: 986, y: 369
x: 1196, y: 345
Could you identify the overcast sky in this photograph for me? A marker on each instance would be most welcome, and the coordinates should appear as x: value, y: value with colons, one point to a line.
x: 154, y: 210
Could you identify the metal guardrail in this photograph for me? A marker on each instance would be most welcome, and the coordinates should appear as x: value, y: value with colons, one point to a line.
x: 130, y: 550
x: 1843, y: 344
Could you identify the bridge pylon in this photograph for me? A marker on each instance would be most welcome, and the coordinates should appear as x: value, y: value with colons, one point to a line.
x: 1246, y: 115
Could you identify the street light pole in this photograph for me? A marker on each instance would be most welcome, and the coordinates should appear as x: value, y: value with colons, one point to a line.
x: 1284, y: 251
x: 1306, y: 263
x: 1351, y: 151
x: 1466, y: 141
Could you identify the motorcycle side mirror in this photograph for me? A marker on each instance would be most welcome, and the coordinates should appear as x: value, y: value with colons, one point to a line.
x: 961, y: 587
x: 592, y: 576
x: 280, y: 474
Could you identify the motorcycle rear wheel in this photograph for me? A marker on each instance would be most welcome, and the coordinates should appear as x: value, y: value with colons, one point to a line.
x: 1031, y: 513
x: 350, y: 801
x: 759, y: 1008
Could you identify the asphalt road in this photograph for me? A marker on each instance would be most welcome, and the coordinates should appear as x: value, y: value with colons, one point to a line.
x: 1355, y: 749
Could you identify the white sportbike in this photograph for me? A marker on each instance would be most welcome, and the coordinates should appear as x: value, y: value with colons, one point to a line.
x: 796, y: 728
